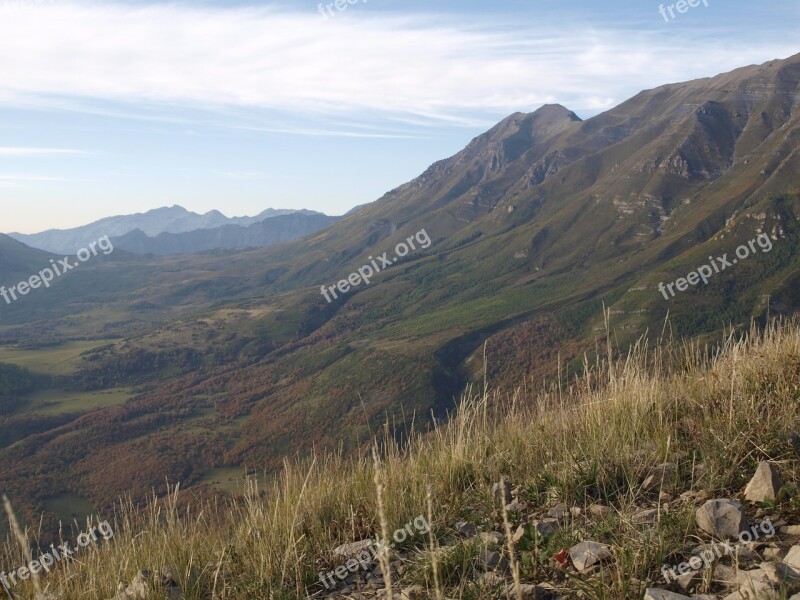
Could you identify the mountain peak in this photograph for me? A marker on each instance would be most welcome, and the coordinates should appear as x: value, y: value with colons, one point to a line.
x: 555, y: 111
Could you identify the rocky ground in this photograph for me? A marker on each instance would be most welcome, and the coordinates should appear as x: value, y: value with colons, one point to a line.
x: 744, y: 549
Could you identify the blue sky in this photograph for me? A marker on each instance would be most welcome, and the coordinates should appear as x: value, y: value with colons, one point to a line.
x: 119, y: 107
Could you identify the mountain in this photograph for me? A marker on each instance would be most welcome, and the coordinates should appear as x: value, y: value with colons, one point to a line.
x: 173, y: 219
x: 271, y: 231
x: 18, y: 259
x: 186, y: 368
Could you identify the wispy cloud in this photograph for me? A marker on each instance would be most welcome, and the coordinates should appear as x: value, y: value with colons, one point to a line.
x: 25, y: 152
x: 430, y: 68
x: 18, y: 181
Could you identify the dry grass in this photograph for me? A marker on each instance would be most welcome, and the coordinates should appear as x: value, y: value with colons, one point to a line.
x: 715, y: 413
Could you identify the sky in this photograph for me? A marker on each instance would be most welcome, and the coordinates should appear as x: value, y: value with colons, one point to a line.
x: 115, y: 107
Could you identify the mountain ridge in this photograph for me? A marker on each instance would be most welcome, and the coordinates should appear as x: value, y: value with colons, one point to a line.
x: 168, y: 219
x: 272, y: 230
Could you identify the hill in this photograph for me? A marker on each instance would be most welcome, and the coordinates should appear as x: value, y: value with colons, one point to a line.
x: 18, y: 259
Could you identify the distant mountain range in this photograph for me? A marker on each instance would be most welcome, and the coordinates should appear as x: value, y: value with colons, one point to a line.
x: 144, y: 227
x: 272, y: 230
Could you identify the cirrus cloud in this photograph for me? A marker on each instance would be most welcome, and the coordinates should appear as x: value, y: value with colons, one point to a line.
x: 425, y: 67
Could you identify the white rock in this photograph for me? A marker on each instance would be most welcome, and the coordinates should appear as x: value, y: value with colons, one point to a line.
x: 790, y: 529
x: 722, y: 518
x: 792, y: 558
x: 587, y: 554
x: 765, y: 483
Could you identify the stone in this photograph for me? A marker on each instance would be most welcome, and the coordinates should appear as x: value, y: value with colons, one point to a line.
x: 765, y: 483
x: 492, y: 537
x: 667, y: 472
x: 600, y: 510
x: 489, y: 560
x: 659, y: 594
x: 722, y: 518
x: 352, y: 549
x: 529, y: 591
x: 792, y: 557
x: 516, y: 505
x: 646, y: 516
x: 755, y: 591
x: 688, y: 580
x: 466, y: 529
x: 753, y: 577
x: 744, y: 553
x: 544, y: 528
x: 541, y: 528
x: 501, y: 492
x: 586, y: 554
x: 139, y: 587
x: 724, y: 574
x: 777, y: 573
x: 775, y: 553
